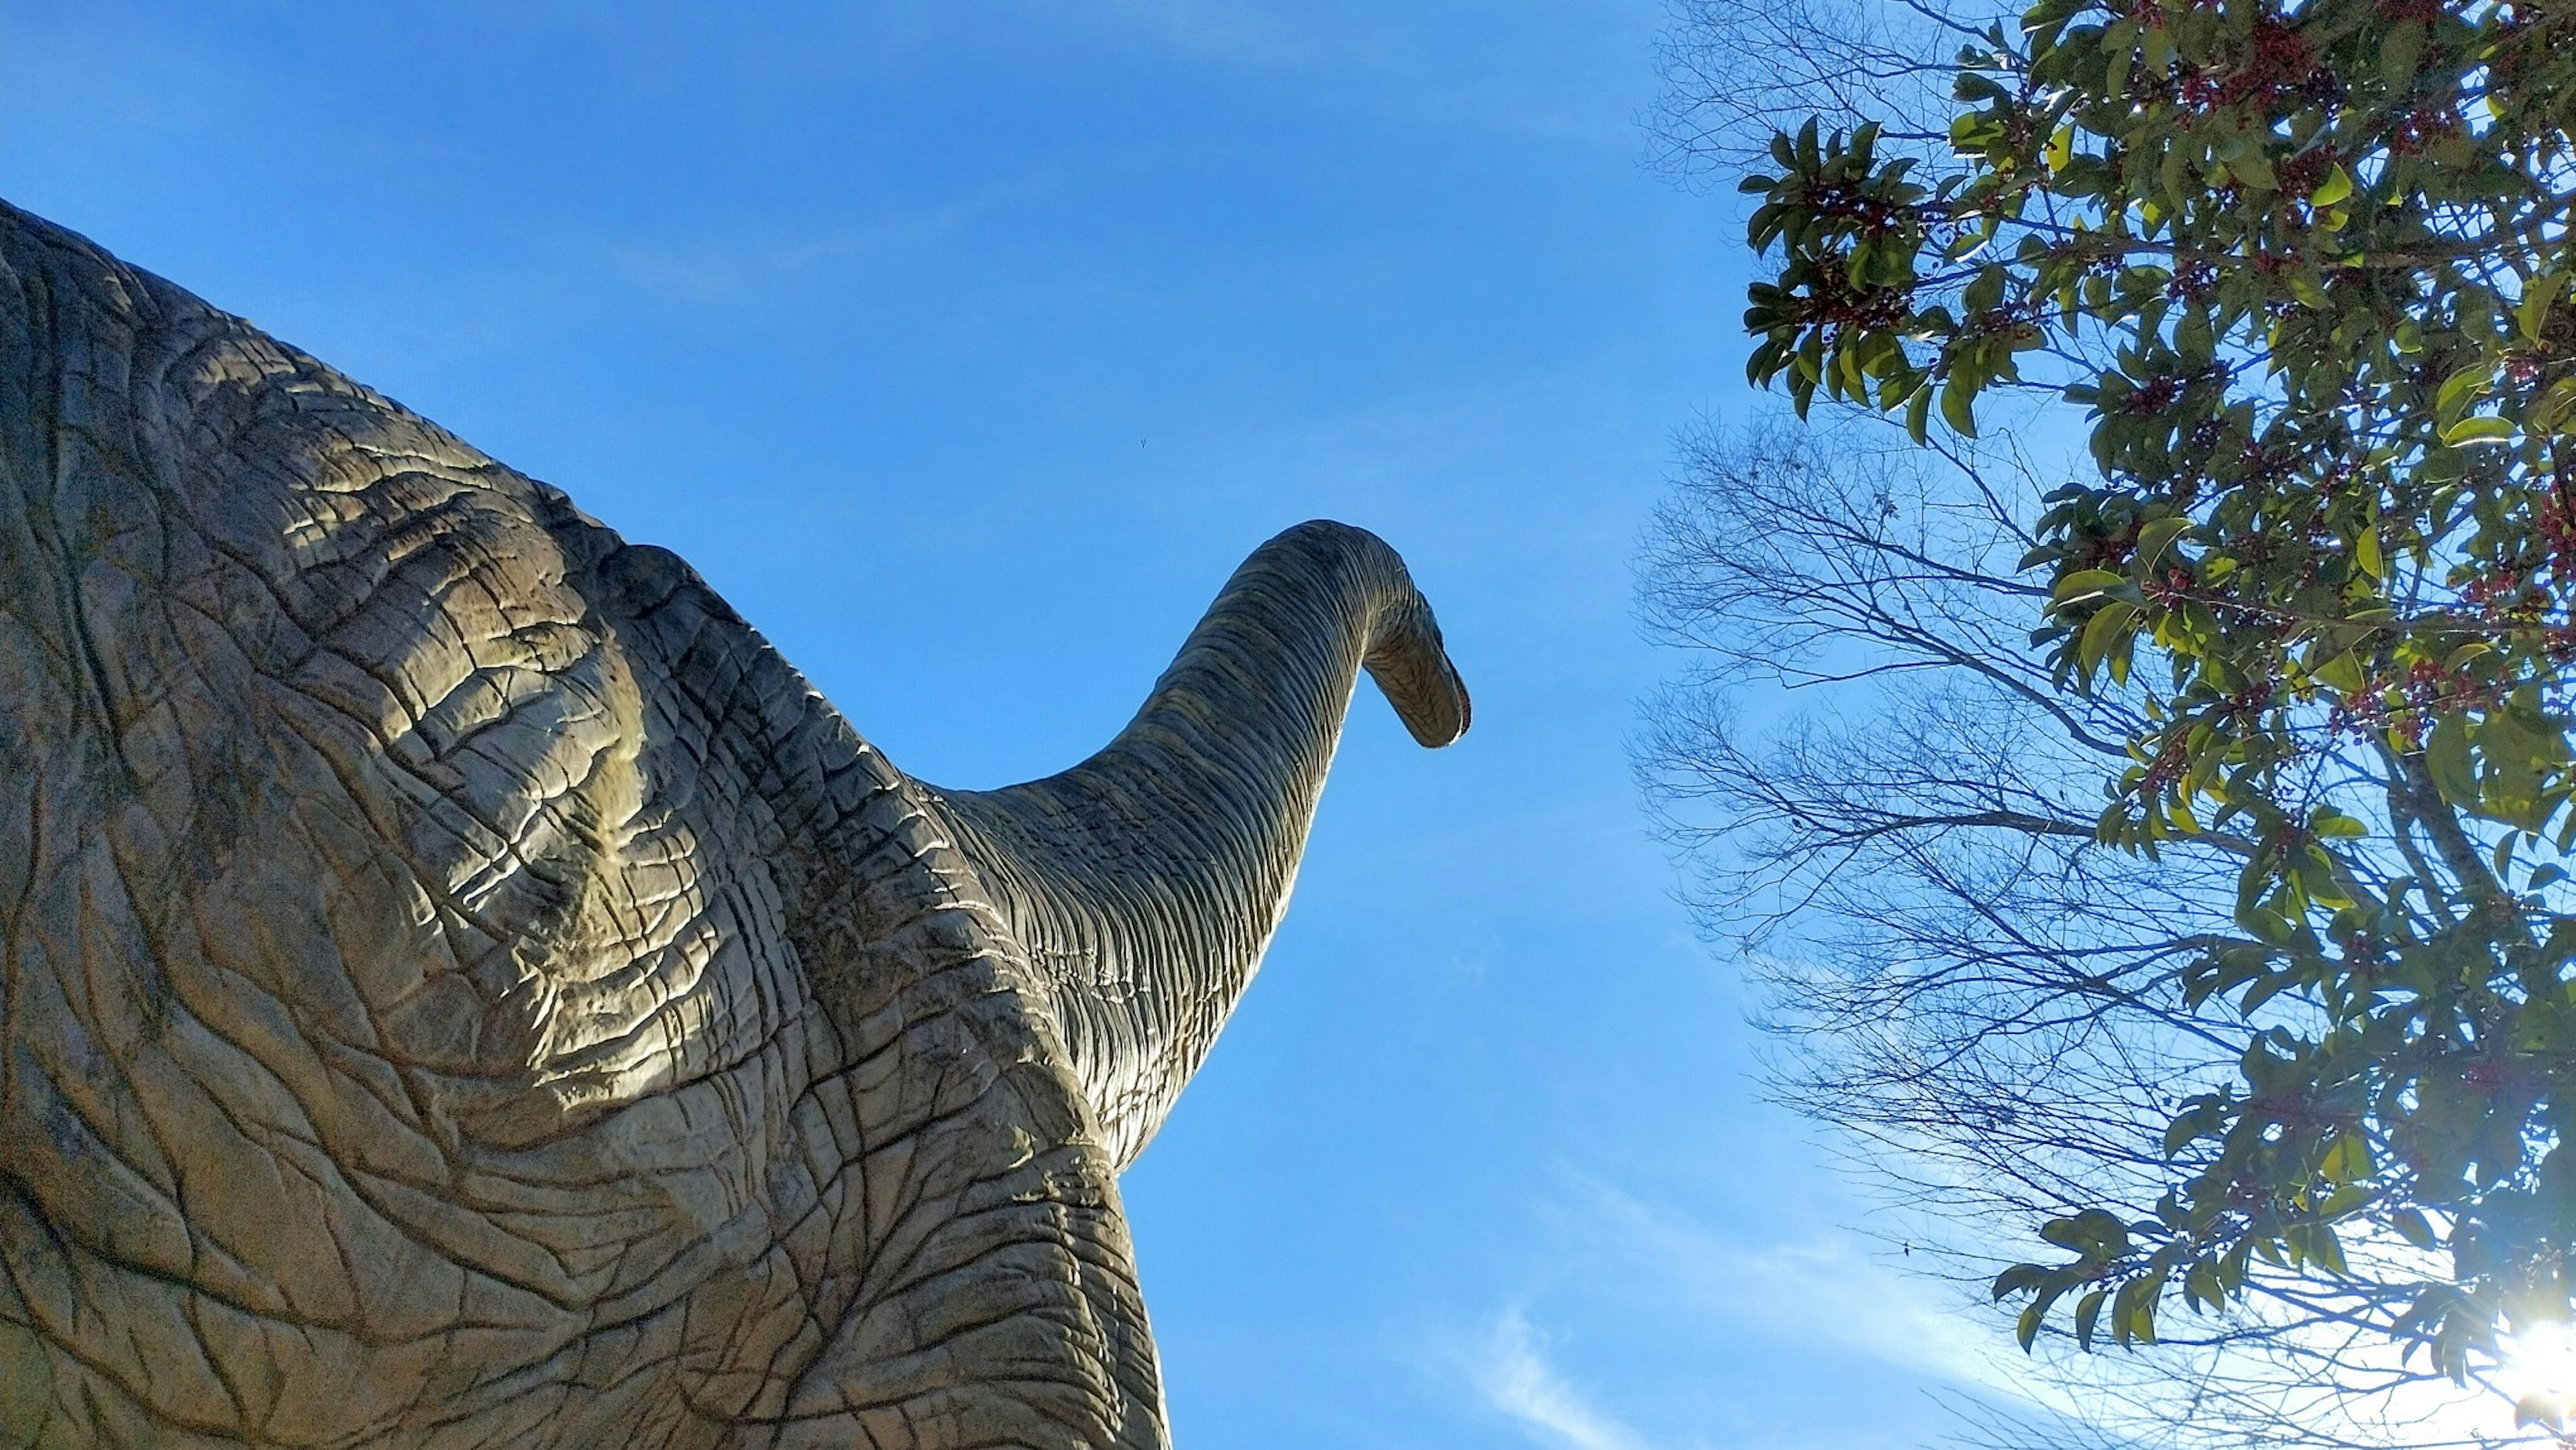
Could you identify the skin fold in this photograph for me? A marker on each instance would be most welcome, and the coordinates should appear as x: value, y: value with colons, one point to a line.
x: 460, y: 988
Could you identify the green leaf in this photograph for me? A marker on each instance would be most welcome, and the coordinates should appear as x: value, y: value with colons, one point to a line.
x: 2138, y: 1326
x: 2104, y: 632
x: 2269, y: 926
x: 2446, y: 756
x: 2086, y: 584
x: 2545, y: 415
x: 2457, y: 389
x: 2477, y: 430
x: 2019, y: 1279
x: 2124, y: 1306
x: 2253, y: 168
x: 2026, y: 1328
x: 2534, y: 307
x: 2336, y: 187
x: 1958, y: 407
x: 2344, y: 673
x: 2174, y: 175
x: 2348, y: 1161
x: 2327, y: 1250
x: 2399, y: 52
x: 1985, y: 292
x: 2155, y: 538
x: 2202, y: 1286
x: 2191, y: 1125
x: 2094, y: 1233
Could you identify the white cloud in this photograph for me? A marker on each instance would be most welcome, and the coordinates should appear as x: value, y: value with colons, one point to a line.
x: 716, y: 267
x: 1482, y: 75
x: 1828, y: 1290
x: 1821, y: 1294
x: 1514, y: 1373
x: 1238, y: 32
x: 1821, y: 1289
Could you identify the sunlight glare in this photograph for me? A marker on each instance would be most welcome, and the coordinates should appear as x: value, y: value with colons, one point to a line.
x: 2539, y: 1369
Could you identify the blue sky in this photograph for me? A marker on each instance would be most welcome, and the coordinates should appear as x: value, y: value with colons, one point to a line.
x: 966, y: 347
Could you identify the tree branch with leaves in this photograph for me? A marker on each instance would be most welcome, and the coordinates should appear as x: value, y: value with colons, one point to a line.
x: 1992, y: 1006
x: 2302, y: 272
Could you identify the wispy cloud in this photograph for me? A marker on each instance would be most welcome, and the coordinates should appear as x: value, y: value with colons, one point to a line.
x: 1818, y: 1297
x: 721, y: 267
x: 1818, y: 1289
x: 1228, y: 30
x: 1419, y: 71
x: 1514, y: 1372
x: 1828, y: 1291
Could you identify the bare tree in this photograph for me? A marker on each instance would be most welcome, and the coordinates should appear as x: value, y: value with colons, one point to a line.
x: 1989, y: 1006
x: 1737, y: 70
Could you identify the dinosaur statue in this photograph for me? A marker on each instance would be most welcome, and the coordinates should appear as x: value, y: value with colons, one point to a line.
x: 459, y: 987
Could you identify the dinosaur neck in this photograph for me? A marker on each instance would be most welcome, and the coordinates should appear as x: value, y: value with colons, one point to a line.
x: 1145, y: 882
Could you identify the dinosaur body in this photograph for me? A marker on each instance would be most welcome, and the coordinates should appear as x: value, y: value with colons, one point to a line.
x: 463, y: 989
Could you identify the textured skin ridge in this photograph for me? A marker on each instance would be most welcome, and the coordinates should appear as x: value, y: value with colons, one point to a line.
x: 459, y: 987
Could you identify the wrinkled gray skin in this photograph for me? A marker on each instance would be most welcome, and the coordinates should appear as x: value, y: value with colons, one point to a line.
x: 464, y: 989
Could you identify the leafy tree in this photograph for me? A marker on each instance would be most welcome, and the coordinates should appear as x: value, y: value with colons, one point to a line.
x: 1985, y: 1001
x: 2302, y: 270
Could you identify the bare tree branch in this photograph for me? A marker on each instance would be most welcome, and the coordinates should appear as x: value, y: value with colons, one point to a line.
x: 1986, y: 1005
